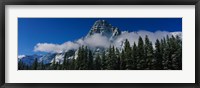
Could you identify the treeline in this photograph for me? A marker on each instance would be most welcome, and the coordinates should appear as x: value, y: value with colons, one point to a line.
x: 165, y: 55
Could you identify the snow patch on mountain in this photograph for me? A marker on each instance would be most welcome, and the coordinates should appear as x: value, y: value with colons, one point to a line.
x: 59, y: 58
x: 177, y: 34
x: 21, y: 56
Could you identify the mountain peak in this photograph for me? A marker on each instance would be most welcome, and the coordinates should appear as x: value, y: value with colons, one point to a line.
x: 105, y: 29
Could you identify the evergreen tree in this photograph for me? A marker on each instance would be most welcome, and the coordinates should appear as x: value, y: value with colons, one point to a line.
x: 148, y: 48
x: 111, y: 58
x: 103, y: 61
x: 128, y: 55
x: 64, y: 65
x: 80, y: 59
x: 169, y: 53
x: 134, y: 56
x: 90, y: 60
x: 141, y: 58
x: 176, y: 53
x: 85, y: 58
x: 20, y: 65
x: 179, y: 52
x: 42, y: 65
x: 97, y: 62
x: 114, y: 58
x: 158, y: 56
x: 117, y: 58
x: 164, y: 54
x: 35, y: 64
x: 72, y: 64
x: 57, y: 66
x: 122, y: 60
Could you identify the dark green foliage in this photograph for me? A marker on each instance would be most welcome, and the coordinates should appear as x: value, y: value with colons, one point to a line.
x: 148, y: 53
x: 97, y: 64
x: 90, y: 60
x: 117, y: 52
x: 134, y: 56
x: 158, y: 56
x: 22, y: 66
x: 128, y: 55
x: 64, y: 65
x: 141, y: 57
x: 35, y: 64
x: 103, y: 61
x: 165, y: 54
x: 122, y: 61
x: 111, y: 59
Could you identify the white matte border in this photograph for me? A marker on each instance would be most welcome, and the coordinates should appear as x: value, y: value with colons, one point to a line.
x: 186, y: 75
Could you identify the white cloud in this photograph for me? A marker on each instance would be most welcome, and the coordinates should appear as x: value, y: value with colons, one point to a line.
x: 98, y: 40
x: 95, y: 40
x: 49, y: 47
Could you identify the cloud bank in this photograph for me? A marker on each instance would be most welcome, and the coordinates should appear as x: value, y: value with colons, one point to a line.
x: 98, y: 40
x: 93, y: 41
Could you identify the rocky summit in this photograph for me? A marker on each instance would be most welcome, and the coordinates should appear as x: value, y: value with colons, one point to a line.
x: 105, y: 29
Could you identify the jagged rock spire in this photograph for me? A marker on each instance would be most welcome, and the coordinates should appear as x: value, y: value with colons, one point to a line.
x: 105, y: 29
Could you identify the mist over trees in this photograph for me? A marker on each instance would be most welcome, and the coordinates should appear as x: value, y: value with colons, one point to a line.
x: 166, y: 54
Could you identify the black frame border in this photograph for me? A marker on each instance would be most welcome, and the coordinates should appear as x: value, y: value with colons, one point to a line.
x: 99, y: 2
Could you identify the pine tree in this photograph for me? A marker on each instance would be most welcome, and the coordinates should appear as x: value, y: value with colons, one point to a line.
x: 97, y: 62
x: 35, y: 64
x: 123, y: 62
x: 141, y: 58
x: 117, y: 58
x: 103, y: 61
x: 85, y: 58
x: 164, y: 54
x: 128, y: 55
x: 176, y: 53
x: 179, y: 52
x: 148, y: 48
x: 80, y: 58
x: 72, y: 64
x: 42, y: 65
x: 111, y: 58
x: 114, y: 58
x: 64, y: 65
x: 158, y: 56
x: 57, y: 66
x: 20, y: 65
x: 90, y: 60
x: 134, y: 56
x: 169, y: 53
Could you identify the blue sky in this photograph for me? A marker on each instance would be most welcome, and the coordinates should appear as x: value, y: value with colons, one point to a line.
x: 59, y: 30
